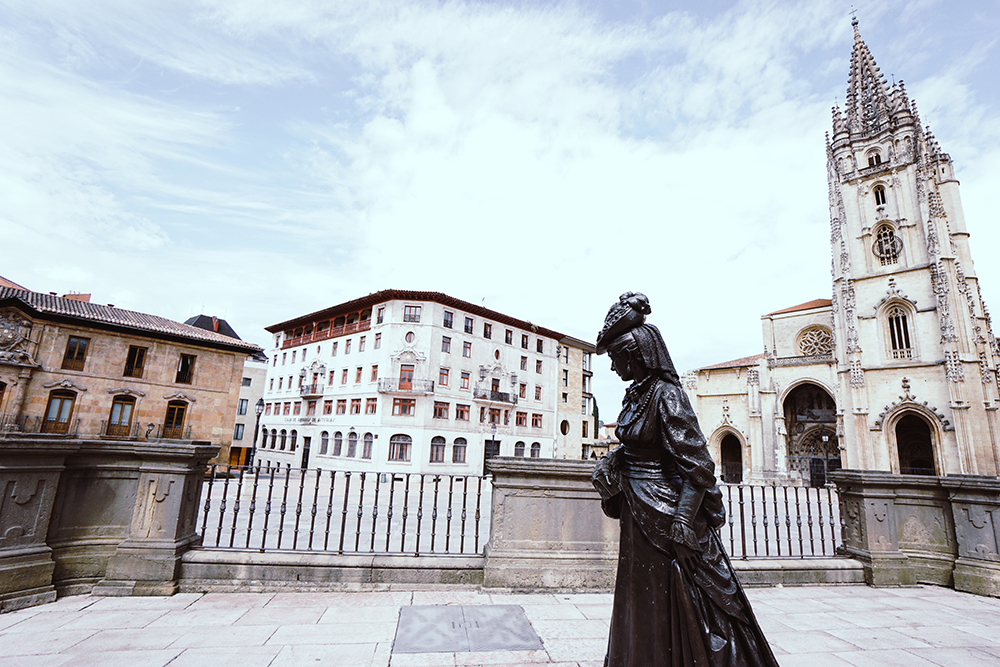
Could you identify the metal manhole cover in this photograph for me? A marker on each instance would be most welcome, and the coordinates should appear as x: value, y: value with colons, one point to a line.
x: 450, y: 628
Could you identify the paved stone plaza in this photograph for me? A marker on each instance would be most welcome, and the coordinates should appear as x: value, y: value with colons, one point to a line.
x: 814, y: 626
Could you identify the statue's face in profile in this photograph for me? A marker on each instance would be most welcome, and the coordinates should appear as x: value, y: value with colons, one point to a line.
x: 621, y: 364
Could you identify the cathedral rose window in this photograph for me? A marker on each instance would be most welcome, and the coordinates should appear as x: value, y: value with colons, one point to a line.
x: 816, y: 341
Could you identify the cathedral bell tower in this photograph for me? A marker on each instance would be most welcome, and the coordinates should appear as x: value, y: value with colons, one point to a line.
x: 915, y: 353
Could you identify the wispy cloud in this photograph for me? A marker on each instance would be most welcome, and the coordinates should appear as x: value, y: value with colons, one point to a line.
x: 263, y: 159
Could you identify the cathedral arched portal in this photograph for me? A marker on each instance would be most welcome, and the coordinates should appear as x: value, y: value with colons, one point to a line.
x: 914, y: 445
x: 731, y: 455
x: 811, y: 433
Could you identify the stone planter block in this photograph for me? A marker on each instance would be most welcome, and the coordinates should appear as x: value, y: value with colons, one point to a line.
x: 975, y: 504
x: 547, y: 530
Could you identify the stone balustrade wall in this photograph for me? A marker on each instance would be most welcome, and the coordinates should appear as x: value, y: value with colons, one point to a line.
x: 909, y: 529
x: 108, y: 517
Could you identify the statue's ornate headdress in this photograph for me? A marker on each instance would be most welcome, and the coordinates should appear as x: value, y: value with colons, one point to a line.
x: 628, y: 313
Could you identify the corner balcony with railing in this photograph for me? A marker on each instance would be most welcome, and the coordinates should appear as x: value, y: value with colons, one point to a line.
x: 332, y: 332
x: 494, y: 396
x: 401, y: 386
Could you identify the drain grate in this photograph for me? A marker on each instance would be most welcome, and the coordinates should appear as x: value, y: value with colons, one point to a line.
x: 449, y: 628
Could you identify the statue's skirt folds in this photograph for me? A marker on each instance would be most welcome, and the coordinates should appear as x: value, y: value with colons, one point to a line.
x: 663, y: 617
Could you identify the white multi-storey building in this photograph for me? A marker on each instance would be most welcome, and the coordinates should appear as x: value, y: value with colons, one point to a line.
x: 415, y: 381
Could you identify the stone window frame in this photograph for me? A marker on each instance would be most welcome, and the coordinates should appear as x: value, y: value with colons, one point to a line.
x: 899, y: 341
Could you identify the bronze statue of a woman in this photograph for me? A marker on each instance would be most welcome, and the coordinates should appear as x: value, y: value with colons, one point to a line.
x: 677, y: 601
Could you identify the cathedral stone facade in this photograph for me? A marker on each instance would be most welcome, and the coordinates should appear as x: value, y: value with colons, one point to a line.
x: 897, y: 371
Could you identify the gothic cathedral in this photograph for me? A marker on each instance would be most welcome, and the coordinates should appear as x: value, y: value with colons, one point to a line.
x: 897, y: 372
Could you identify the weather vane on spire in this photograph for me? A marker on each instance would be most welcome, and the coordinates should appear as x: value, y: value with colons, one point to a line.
x: 854, y: 16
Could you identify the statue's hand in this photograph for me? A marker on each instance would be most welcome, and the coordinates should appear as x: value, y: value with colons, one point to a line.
x: 603, y: 478
x: 686, y: 558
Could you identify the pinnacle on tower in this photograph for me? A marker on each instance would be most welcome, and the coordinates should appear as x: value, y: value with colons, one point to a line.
x: 867, y: 93
x: 932, y: 145
x: 839, y: 124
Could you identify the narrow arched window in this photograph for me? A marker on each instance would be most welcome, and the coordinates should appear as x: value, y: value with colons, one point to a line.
x: 899, y: 334
x: 458, y: 450
x: 438, y: 446
x: 887, y: 245
x: 291, y: 444
x: 519, y: 449
x: 324, y: 442
x: 399, y: 447
x: 338, y: 443
x: 879, y: 195
x: 536, y: 450
x: 874, y: 158
x: 366, y: 450
x: 352, y: 444
x: 284, y: 439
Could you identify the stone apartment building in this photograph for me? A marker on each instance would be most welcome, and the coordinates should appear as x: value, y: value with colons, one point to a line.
x: 898, y: 370
x: 421, y: 382
x: 80, y: 369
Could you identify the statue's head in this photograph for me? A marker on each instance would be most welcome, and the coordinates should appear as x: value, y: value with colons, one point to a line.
x: 636, y: 348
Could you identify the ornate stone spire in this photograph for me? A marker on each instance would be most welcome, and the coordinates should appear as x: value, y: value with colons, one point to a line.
x: 868, y: 104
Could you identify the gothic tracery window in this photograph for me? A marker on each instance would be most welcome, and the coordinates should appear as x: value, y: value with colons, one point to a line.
x: 816, y: 341
x: 899, y: 334
x: 879, y: 192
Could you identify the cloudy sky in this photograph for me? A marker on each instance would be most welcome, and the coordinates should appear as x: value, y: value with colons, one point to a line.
x: 259, y: 159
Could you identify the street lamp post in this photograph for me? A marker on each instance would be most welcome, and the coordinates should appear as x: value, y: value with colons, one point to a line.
x: 258, y: 408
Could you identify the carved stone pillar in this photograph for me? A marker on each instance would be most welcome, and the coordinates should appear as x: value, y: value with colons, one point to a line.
x: 163, y: 522
x: 29, y: 476
x: 975, y: 503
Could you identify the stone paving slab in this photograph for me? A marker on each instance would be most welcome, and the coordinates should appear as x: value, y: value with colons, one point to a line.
x: 852, y: 626
x: 461, y: 629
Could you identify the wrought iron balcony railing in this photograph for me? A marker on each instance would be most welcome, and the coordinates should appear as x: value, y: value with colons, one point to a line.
x: 494, y: 396
x: 11, y: 425
x: 314, y: 389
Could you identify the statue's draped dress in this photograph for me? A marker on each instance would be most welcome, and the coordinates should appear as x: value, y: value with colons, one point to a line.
x: 662, y: 616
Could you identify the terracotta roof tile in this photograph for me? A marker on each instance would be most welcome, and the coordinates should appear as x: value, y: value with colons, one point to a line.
x: 55, y: 306
x: 808, y: 305
x: 736, y: 363
x: 10, y: 283
x: 376, y: 298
